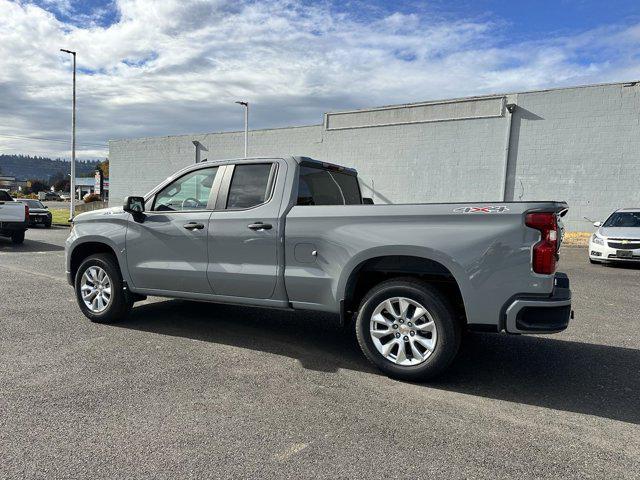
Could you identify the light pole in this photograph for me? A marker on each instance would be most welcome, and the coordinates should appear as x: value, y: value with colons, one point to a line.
x: 72, y: 187
x: 246, y: 127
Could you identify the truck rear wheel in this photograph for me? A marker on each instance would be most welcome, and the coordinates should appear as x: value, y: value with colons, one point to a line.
x: 99, y: 290
x: 17, y: 237
x: 407, y: 329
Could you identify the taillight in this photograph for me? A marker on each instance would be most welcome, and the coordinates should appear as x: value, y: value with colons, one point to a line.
x: 26, y: 213
x: 544, y: 252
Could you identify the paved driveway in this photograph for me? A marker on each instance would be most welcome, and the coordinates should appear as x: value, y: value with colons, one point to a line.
x: 186, y: 390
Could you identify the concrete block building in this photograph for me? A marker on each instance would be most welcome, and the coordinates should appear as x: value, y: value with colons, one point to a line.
x: 579, y: 144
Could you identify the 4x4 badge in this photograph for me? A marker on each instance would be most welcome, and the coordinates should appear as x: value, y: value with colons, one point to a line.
x: 488, y: 209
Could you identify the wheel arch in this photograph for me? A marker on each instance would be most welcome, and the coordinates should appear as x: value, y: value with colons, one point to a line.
x: 87, y: 248
x: 368, y: 270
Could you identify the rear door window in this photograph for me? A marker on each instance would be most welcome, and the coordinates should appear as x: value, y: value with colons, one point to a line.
x: 318, y: 186
x: 250, y: 185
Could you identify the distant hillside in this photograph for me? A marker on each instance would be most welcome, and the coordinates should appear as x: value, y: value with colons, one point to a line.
x: 25, y: 167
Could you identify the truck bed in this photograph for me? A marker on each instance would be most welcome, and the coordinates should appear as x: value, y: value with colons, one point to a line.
x: 487, y: 252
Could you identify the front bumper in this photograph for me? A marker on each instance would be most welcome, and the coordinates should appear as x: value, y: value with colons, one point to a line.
x: 36, y: 219
x: 541, y: 315
x: 604, y: 253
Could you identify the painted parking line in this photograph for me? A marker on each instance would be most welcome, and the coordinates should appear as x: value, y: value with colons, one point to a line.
x: 31, y: 272
x: 40, y: 252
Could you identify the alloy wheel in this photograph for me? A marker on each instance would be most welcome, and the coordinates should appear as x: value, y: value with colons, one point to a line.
x: 403, y: 331
x: 95, y: 288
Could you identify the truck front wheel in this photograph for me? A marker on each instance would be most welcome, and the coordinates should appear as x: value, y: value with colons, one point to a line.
x: 407, y: 329
x: 99, y: 290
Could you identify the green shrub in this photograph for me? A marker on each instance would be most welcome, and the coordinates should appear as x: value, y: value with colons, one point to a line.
x: 32, y: 196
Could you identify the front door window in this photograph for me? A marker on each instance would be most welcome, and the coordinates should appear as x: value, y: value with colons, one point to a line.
x: 189, y: 192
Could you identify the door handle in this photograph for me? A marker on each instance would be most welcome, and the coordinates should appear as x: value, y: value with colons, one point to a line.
x: 193, y: 226
x: 260, y: 226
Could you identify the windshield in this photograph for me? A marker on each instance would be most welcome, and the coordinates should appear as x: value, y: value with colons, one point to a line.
x: 623, y: 219
x: 32, y: 203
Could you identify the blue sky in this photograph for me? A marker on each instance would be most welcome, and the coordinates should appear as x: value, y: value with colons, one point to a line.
x: 102, y: 12
x: 150, y: 68
x: 522, y: 19
x: 529, y: 19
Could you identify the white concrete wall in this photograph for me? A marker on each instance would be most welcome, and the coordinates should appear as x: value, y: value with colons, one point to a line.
x: 435, y: 162
x: 136, y: 166
x: 581, y: 145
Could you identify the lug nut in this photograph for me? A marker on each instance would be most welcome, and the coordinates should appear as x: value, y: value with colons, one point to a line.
x: 412, y: 333
x: 395, y: 325
x: 397, y: 334
x: 401, y: 321
x: 410, y: 324
x: 406, y: 339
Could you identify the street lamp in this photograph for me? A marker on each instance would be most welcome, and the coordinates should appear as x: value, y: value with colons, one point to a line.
x: 72, y: 186
x: 246, y: 127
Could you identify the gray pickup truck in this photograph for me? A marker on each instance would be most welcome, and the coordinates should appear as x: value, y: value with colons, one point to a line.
x: 296, y: 233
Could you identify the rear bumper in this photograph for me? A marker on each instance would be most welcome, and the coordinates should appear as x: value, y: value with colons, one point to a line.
x: 12, y: 226
x: 541, y: 315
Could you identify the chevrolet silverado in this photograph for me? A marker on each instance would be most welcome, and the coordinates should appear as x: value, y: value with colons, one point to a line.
x: 296, y: 233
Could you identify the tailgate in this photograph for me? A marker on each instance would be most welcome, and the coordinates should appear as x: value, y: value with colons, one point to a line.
x: 11, y: 212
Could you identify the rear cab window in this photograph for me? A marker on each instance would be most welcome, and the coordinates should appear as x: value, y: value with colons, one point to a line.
x: 327, y: 186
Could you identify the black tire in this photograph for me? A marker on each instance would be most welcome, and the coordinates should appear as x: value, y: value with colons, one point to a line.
x: 17, y: 237
x: 47, y: 225
x: 120, y: 303
x: 444, y: 317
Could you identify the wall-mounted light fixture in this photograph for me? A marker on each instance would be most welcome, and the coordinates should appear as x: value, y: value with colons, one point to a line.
x: 199, y: 148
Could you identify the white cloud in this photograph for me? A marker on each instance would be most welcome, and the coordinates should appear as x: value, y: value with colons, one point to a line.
x: 177, y: 66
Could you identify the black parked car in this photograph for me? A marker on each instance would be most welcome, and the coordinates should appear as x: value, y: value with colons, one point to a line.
x: 48, y: 196
x: 38, y: 213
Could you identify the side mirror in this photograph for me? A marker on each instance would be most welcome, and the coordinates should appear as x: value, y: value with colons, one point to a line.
x: 367, y: 201
x: 597, y: 224
x: 46, y: 207
x: 135, y: 206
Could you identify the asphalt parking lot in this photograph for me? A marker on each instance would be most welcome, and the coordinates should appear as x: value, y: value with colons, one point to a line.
x: 186, y: 390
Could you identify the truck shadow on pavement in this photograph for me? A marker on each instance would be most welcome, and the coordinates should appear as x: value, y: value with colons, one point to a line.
x: 28, y: 246
x: 577, y: 377
x: 548, y: 372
